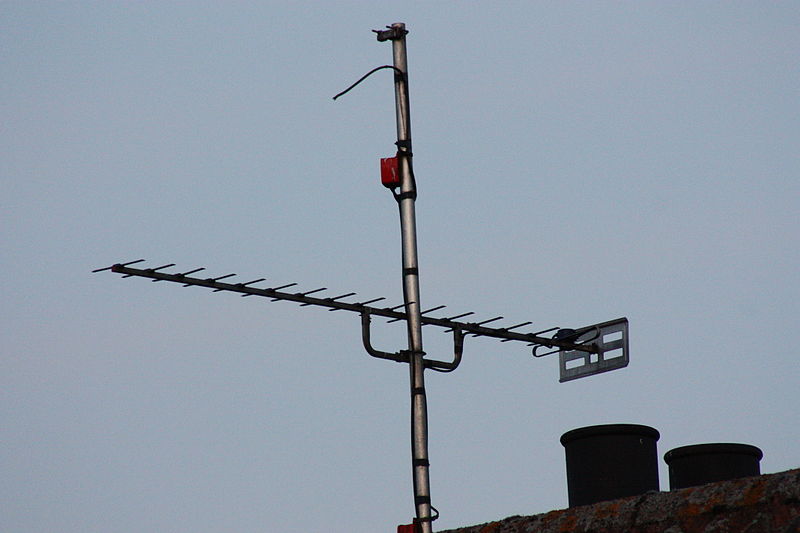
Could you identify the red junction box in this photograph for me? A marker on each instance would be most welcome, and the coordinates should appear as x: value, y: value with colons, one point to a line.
x: 390, y: 173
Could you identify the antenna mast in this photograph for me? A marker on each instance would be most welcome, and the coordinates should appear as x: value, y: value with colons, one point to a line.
x: 406, y: 198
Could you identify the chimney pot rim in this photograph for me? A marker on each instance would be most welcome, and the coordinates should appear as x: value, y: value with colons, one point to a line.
x: 713, y: 448
x: 609, y: 429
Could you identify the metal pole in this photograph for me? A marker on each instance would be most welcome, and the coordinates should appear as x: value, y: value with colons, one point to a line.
x: 406, y: 199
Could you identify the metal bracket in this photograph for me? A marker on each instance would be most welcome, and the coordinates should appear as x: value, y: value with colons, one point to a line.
x: 403, y: 356
x: 400, y: 357
x: 391, y: 33
x: 458, y: 351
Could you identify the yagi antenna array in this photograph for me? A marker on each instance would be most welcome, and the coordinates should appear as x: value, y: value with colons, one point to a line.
x: 585, y: 351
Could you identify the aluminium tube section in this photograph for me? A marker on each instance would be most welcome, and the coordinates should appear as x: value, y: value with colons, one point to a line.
x: 411, y: 292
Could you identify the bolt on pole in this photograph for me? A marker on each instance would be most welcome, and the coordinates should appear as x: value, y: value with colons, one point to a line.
x: 411, y: 293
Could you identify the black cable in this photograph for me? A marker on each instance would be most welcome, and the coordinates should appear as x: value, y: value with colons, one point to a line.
x: 368, y: 74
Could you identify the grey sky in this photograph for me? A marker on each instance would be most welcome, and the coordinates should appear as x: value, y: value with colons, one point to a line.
x: 576, y: 162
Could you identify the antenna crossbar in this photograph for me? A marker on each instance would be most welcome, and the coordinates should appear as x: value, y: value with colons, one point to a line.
x: 306, y: 299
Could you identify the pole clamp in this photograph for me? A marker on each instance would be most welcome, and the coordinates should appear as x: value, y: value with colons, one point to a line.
x: 420, y: 500
x: 404, y: 148
x: 404, y: 195
x: 391, y: 33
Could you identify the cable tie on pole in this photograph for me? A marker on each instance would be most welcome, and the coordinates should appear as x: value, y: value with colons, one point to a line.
x: 407, y: 194
x: 404, y: 148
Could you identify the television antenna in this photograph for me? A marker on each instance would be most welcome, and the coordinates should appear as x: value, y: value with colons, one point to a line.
x: 582, y: 352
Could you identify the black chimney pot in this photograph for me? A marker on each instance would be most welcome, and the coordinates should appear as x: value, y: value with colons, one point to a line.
x: 610, y: 461
x: 699, y: 464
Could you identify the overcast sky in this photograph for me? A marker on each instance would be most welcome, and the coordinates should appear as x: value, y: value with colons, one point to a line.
x: 576, y: 162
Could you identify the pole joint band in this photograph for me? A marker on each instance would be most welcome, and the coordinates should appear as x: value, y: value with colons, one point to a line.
x: 407, y: 194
